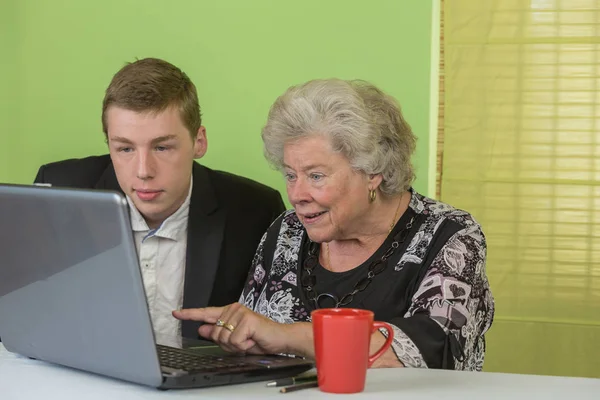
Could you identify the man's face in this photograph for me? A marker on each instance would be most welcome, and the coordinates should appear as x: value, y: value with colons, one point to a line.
x: 153, y: 155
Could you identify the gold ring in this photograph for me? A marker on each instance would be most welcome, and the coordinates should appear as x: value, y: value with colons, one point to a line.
x: 229, y: 327
x: 220, y: 322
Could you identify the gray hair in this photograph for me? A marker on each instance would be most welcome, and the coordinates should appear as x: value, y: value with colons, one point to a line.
x: 361, y: 122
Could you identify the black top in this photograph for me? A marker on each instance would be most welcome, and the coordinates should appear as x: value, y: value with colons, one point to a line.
x: 376, y: 296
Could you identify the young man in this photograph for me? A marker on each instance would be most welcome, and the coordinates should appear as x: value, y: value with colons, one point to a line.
x: 196, y: 229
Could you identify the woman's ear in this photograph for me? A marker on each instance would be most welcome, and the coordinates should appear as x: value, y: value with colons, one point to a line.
x: 374, y: 181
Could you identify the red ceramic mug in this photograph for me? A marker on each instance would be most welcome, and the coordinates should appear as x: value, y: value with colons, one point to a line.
x: 342, y: 337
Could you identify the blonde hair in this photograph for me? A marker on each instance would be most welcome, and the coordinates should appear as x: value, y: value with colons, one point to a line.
x: 361, y: 122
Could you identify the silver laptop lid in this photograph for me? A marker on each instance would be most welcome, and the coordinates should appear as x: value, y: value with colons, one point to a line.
x: 71, y: 290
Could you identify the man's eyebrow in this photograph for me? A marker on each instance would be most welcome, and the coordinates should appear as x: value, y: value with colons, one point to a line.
x: 154, y: 141
x: 120, y: 139
x: 163, y: 139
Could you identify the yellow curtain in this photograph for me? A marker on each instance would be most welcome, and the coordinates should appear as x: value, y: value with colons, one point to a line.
x: 522, y: 153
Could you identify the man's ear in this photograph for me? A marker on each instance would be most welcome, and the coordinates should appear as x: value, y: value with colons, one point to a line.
x: 200, y: 143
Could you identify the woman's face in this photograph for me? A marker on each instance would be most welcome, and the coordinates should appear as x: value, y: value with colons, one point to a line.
x: 330, y: 198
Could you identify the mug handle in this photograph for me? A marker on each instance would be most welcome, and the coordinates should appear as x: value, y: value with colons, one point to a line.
x: 386, y: 345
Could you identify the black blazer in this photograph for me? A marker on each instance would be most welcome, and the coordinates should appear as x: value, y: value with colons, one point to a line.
x: 227, y: 218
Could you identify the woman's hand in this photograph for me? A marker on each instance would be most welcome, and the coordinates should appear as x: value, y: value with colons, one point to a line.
x: 240, y: 330
x: 388, y: 359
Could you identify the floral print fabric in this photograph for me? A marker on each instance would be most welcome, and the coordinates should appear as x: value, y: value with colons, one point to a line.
x: 445, y: 256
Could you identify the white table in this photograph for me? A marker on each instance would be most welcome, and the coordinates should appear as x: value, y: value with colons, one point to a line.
x: 22, y: 378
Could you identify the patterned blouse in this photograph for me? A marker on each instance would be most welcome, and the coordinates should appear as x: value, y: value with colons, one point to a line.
x: 433, y: 289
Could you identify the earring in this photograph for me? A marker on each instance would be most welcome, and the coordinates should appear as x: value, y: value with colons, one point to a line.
x: 372, y: 195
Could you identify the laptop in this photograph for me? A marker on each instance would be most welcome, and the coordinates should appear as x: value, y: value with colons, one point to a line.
x: 71, y: 293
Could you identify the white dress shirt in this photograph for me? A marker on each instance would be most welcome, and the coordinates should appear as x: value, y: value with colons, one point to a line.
x: 162, y: 255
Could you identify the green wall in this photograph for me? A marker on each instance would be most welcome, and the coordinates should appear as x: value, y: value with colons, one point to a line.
x: 8, y: 84
x: 241, y: 55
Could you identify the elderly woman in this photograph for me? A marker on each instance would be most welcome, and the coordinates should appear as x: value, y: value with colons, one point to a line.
x: 359, y: 236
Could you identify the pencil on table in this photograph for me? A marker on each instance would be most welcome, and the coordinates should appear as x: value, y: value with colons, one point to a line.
x: 292, y: 381
x: 299, y: 386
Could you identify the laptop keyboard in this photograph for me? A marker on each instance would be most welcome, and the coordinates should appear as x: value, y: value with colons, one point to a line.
x: 191, y: 361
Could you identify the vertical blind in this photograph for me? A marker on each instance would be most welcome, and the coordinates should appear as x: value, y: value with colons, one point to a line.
x: 441, y: 109
x: 522, y: 153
